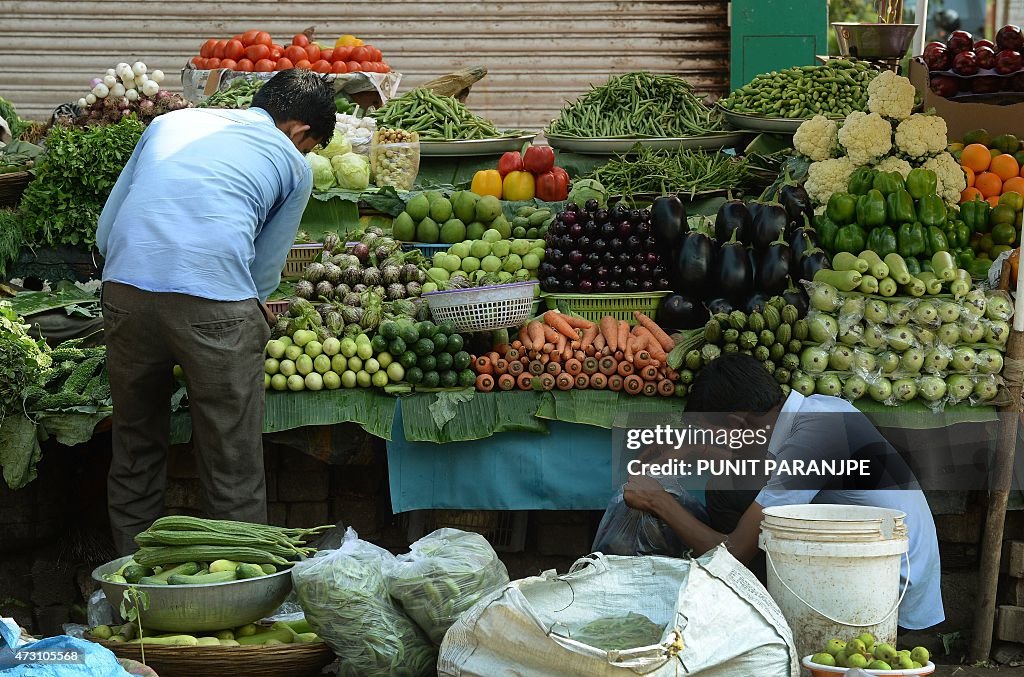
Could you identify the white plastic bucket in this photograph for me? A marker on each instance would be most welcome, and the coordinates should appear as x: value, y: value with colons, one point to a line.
x: 834, y: 570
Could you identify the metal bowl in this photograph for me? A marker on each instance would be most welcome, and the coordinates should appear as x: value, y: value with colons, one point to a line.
x: 201, y: 608
x: 874, y: 41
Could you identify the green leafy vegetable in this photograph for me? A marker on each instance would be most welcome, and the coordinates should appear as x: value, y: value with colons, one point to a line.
x: 238, y: 94
x: 323, y: 176
x: 352, y: 171
x: 62, y: 205
x: 23, y: 364
x: 12, y: 118
x: 11, y: 238
x: 338, y: 145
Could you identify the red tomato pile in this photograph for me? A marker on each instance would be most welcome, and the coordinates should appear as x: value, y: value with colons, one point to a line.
x: 255, y: 51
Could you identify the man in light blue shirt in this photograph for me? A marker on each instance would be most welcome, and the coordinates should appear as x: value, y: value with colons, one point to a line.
x: 194, y: 235
x: 814, y: 428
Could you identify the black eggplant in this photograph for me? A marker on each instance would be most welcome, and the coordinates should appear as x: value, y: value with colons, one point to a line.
x: 733, y: 215
x: 755, y: 303
x: 678, y: 312
x: 668, y: 220
x: 797, y: 204
x: 720, y: 306
x: 693, y: 264
x: 802, y: 239
x: 798, y: 299
x: 811, y: 262
x: 773, y: 264
x: 769, y: 224
x: 733, y: 277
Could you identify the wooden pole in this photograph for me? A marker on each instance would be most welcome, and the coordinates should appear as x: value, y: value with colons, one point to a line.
x: 999, y: 492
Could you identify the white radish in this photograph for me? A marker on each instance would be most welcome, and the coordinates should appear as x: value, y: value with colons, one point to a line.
x: 90, y: 99
x: 150, y: 88
x: 139, y: 68
x: 101, y: 91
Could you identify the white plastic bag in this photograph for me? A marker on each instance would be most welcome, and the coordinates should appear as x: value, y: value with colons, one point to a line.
x: 717, y: 621
x: 346, y: 602
x: 444, y: 574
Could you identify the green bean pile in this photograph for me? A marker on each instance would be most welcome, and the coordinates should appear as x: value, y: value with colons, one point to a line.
x: 622, y: 633
x: 435, y: 117
x: 836, y: 89
x: 636, y: 105
x: 666, y: 172
x: 238, y: 94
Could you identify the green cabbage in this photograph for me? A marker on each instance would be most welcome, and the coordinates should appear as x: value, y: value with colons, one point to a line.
x: 323, y: 176
x: 352, y: 171
x: 588, y: 189
x: 339, y: 145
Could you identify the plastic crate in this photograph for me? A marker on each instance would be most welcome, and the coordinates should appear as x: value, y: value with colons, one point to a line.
x: 620, y: 306
x: 484, y: 308
x: 428, y: 250
x: 505, y: 530
x: 278, y: 307
x: 300, y: 256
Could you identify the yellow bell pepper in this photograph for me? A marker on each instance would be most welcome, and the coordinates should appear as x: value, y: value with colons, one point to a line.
x: 518, y: 186
x: 487, y: 182
x: 348, y: 41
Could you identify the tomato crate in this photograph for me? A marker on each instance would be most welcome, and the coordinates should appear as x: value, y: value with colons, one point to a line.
x: 300, y: 256
x: 505, y: 530
x: 595, y: 306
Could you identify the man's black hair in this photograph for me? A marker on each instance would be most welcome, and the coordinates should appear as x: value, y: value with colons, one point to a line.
x: 734, y: 383
x: 302, y: 95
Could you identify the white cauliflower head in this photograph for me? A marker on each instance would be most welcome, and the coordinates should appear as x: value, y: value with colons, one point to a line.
x: 865, y: 136
x: 827, y: 177
x: 894, y: 164
x: 817, y: 138
x: 951, y: 178
x: 891, y: 95
x: 921, y: 135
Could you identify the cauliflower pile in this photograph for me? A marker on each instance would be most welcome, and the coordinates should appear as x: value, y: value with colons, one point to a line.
x: 887, y: 137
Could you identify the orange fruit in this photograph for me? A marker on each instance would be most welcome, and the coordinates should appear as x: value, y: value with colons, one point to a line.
x: 989, y: 184
x: 1014, y: 185
x: 994, y: 200
x: 1004, y: 166
x: 976, y: 157
x: 969, y: 194
x: 970, y: 176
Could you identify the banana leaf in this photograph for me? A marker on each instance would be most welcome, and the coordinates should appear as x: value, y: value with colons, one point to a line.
x: 71, y: 428
x: 477, y: 418
x: 600, y: 407
x: 34, y: 302
x: 19, y: 450
x: 336, y: 215
x: 917, y: 416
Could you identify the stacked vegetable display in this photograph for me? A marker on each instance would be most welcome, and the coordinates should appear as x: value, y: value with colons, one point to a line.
x: 430, y: 217
x: 600, y: 250
x: 435, y: 117
x: 124, y: 90
x: 487, y: 261
x: 940, y: 351
x: 77, y: 378
x: 256, y: 51
x: 662, y: 172
x: 522, y: 177
x: 568, y: 352
x: 281, y: 632
x: 964, y: 66
x: 835, y: 89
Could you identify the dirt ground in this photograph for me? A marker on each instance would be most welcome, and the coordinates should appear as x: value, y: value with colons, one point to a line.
x: 966, y: 671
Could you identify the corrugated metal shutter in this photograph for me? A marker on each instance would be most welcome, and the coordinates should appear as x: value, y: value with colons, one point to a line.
x: 539, y: 53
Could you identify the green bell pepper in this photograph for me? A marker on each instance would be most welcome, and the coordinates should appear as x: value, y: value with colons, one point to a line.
x: 861, y: 181
x: 910, y: 240
x: 958, y: 234
x: 936, y: 241
x: 926, y: 266
x: 931, y: 210
x: 913, y: 265
x: 965, y: 257
x: 975, y: 214
x: 888, y: 182
x: 850, y: 238
x: 842, y: 208
x: 899, y: 207
x: 827, y: 229
x: 979, y: 268
x: 882, y: 241
x: 871, y: 209
x: 921, y: 182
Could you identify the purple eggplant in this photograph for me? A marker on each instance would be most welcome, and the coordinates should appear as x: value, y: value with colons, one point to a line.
x: 798, y: 299
x: 769, y: 224
x: 755, y: 303
x: 720, y: 306
x: 797, y: 204
x: 692, y: 266
x: 773, y: 265
x: 678, y: 312
x: 732, y: 276
x: 811, y: 262
x: 802, y: 239
x: 733, y: 216
x: 668, y: 221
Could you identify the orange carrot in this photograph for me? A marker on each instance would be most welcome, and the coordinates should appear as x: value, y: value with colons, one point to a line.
x: 589, y: 334
x: 574, y: 366
x: 577, y: 322
x: 624, y: 368
x: 506, y: 382
x: 579, y: 355
x: 589, y: 351
x: 565, y: 382
x: 557, y: 321
x: 560, y: 345
x: 610, y: 331
x: 623, y: 335
x: 633, y: 384
x: 515, y: 368
x: 550, y: 334
x: 582, y: 381
x: 525, y: 381
x: 599, y: 342
x: 525, y: 338
x: 666, y: 388
x: 501, y: 366
x: 553, y: 368
x: 517, y: 345
x: 483, y: 365
x: 642, y: 358
x: 630, y: 342
x: 493, y: 357
x: 664, y: 340
x: 536, y: 330
x: 485, y: 383
x: 567, y: 352
x: 536, y: 367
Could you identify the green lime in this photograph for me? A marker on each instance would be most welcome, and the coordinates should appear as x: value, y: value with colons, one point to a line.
x: 1004, y: 233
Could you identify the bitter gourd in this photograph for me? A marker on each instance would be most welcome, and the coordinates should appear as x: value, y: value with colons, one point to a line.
x: 81, y: 375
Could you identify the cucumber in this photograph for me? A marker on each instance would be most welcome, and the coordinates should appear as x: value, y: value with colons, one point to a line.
x: 268, y: 569
x: 134, y: 572
x: 222, y: 565
x: 207, y: 641
x: 173, y: 640
x: 186, y: 569
x: 843, y: 280
x: 248, y: 571
x: 152, y: 580
x: 220, y: 577
x: 284, y: 635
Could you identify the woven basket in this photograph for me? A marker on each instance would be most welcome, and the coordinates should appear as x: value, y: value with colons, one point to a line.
x: 12, y: 186
x: 299, y: 256
x: 286, y: 660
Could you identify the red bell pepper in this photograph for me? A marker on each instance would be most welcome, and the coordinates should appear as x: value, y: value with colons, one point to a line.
x: 510, y: 162
x: 553, y: 186
x: 539, y: 159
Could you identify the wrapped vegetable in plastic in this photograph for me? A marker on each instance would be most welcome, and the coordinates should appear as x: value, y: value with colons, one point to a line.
x: 346, y: 602
x: 446, y: 573
x: 352, y: 171
x: 323, y: 174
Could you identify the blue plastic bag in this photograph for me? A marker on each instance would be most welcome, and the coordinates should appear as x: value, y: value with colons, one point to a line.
x: 60, y: 656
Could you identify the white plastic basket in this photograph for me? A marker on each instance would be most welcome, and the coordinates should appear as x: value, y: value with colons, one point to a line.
x: 483, y: 308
